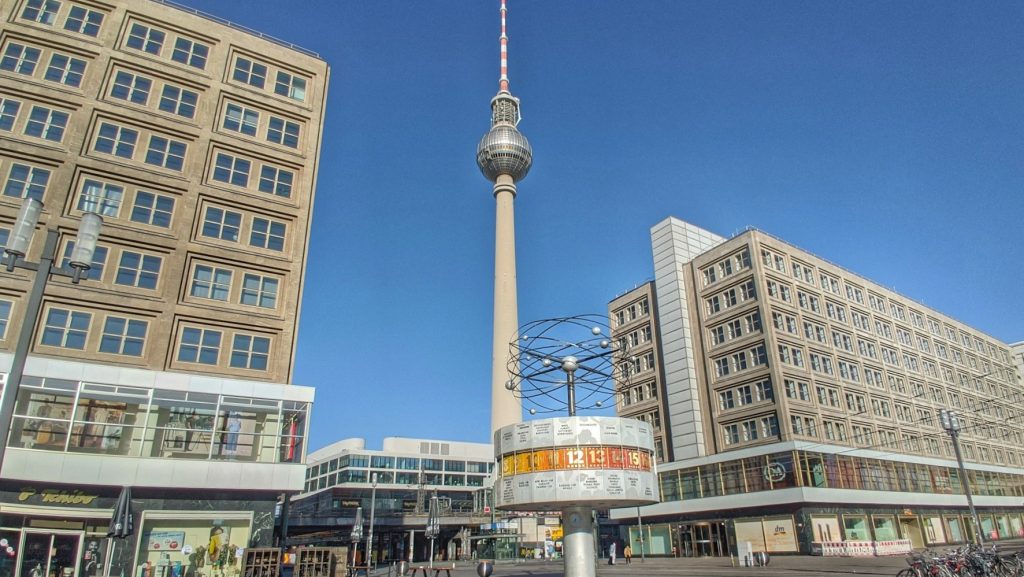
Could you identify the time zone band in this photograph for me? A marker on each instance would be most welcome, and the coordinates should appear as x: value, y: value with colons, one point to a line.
x: 568, y: 458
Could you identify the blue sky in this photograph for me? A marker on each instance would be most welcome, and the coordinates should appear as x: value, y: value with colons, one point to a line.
x: 886, y: 137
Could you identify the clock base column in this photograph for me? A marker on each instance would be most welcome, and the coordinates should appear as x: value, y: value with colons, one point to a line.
x: 578, y: 542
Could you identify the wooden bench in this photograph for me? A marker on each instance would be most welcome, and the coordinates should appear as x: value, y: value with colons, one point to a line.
x: 436, y: 569
x: 354, y: 570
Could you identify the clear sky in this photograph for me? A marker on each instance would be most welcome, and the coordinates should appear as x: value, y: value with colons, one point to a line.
x: 886, y: 137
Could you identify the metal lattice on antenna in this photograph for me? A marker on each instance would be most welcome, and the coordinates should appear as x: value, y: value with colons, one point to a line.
x: 565, y: 364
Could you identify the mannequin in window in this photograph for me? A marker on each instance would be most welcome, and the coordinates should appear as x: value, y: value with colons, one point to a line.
x: 233, y: 425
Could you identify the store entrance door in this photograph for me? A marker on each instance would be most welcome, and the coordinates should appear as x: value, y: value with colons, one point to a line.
x: 704, y: 539
x: 49, y: 553
x: 910, y: 528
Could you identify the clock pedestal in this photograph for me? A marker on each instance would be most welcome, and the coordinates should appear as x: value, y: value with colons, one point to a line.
x: 578, y: 541
x: 575, y: 465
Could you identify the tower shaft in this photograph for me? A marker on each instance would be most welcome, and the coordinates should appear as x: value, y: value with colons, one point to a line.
x: 506, y: 407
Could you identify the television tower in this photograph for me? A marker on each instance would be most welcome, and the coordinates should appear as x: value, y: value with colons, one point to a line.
x: 504, y: 156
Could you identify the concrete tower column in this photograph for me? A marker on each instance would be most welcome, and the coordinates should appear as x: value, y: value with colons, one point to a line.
x: 506, y: 408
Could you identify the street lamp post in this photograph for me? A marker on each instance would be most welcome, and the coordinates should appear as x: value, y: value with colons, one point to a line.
x: 951, y: 423
x: 373, y: 509
x: 14, y: 257
x: 640, y: 530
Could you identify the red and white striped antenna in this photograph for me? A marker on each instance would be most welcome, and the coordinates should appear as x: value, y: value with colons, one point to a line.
x: 503, y: 83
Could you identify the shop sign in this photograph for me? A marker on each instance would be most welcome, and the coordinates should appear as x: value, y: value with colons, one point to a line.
x: 350, y: 503
x: 774, y: 472
x: 58, y: 496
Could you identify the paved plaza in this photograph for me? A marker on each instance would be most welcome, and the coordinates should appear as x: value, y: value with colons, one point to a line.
x: 788, y: 566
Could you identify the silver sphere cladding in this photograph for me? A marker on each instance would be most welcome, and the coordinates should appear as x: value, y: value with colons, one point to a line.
x: 504, y: 150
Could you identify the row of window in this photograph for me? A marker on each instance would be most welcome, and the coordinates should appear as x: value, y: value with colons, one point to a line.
x: 632, y: 312
x: 401, y: 463
x: 22, y: 58
x: 639, y: 393
x: 635, y: 338
x: 151, y: 208
x: 746, y: 325
x: 869, y: 349
x: 142, y: 270
x: 731, y: 297
x: 27, y: 180
x: 828, y: 396
x: 766, y: 427
x: 863, y: 322
x: 637, y: 364
x: 726, y: 267
x: 740, y: 361
x: 746, y: 394
x: 877, y: 303
x: 397, y: 478
x: 165, y: 44
x: 126, y: 336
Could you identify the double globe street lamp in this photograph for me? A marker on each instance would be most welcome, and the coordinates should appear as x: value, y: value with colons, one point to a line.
x: 14, y: 258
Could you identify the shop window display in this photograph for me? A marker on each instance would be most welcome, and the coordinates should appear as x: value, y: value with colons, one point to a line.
x: 956, y: 531
x: 885, y: 527
x: 856, y: 528
x: 192, y: 547
x: 41, y: 420
x: 62, y: 415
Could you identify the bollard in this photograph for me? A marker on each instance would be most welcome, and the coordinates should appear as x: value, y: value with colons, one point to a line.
x: 484, y: 568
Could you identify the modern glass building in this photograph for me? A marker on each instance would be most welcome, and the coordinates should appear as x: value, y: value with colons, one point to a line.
x: 407, y: 473
x: 797, y: 402
x: 168, y: 368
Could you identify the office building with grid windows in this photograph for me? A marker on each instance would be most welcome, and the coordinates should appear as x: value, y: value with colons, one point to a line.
x: 797, y: 403
x: 168, y: 368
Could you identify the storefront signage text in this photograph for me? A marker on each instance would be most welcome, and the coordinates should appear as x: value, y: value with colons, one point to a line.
x: 58, y: 496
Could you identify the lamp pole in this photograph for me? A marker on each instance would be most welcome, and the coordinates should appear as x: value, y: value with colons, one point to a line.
x: 373, y: 509
x: 640, y: 523
x: 14, y: 257
x: 951, y: 423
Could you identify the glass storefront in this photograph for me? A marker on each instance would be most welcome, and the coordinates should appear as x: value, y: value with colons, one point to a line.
x: 195, y: 546
x: 825, y: 470
x: 72, y: 416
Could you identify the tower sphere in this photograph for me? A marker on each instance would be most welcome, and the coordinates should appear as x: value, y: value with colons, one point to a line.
x: 504, y: 150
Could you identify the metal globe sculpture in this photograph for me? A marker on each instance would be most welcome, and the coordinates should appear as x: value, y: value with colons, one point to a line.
x: 570, y: 354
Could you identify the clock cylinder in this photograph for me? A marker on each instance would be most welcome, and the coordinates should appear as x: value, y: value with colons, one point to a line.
x: 597, y: 462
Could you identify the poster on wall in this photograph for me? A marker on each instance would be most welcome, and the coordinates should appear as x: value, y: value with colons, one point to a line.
x: 779, y: 535
x: 750, y: 532
x: 165, y: 540
x: 826, y: 529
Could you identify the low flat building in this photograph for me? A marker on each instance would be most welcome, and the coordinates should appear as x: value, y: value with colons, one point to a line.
x: 408, y: 473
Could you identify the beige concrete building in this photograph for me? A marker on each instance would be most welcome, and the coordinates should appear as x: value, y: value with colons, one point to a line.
x: 794, y: 393
x: 168, y: 368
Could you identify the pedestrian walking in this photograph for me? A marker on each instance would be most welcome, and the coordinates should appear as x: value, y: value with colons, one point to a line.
x: 611, y: 553
x: 627, y: 554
